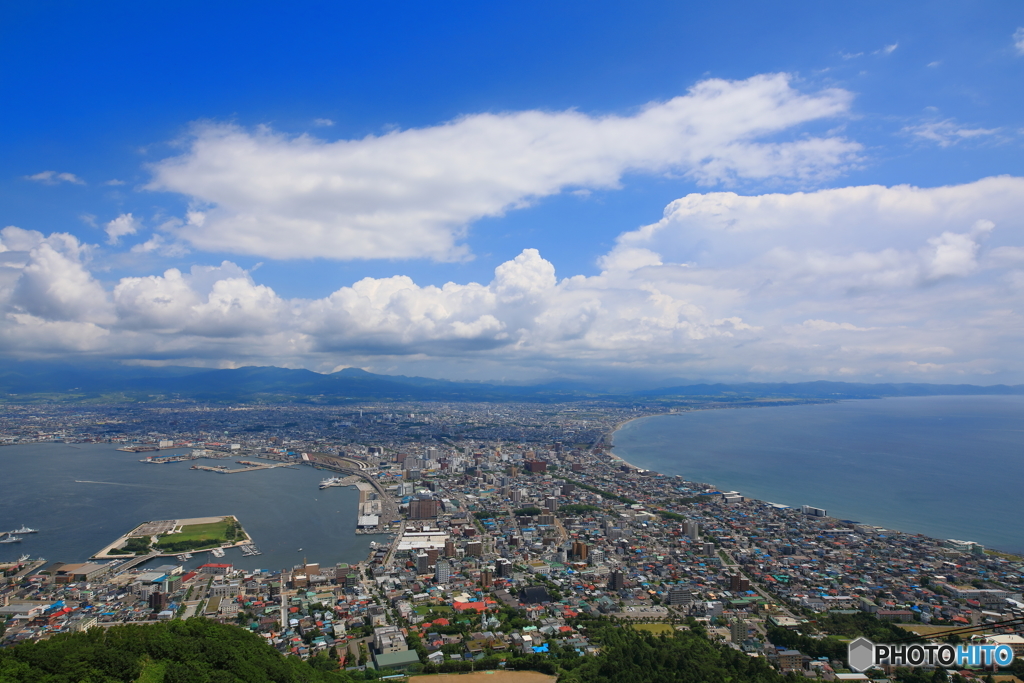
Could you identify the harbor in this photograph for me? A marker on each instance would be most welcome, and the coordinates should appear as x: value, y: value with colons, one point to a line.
x: 250, y: 466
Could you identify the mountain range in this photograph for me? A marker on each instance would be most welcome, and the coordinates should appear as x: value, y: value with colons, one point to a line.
x: 44, y: 381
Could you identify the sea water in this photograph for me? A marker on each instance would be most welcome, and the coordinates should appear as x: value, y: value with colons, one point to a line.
x: 944, y: 466
x: 83, y: 496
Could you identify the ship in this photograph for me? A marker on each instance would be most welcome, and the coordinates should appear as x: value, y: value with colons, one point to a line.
x: 23, y: 558
x: 24, y: 530
x: 12, y: 539
x: 217, y: 552
x: 332, y: 481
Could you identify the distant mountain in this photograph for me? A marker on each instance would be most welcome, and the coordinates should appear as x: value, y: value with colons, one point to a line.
x: 111, y: 382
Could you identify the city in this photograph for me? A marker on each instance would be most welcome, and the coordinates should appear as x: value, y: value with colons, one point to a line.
x: 500, y: 530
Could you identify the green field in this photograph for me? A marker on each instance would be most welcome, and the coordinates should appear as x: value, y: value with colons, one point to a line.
x: 199, y: 536
x: 439, y: 610
x: 654, y: 628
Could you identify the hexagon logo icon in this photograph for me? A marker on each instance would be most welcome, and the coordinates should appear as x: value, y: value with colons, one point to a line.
x: 861, y: 654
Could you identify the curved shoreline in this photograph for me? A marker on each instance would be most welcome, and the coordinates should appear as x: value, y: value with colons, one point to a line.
x: 762, y: 498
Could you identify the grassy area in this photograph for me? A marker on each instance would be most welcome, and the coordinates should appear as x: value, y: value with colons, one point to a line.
x: 433, y: 609
x: 654, y: 628
x: 198, y: 536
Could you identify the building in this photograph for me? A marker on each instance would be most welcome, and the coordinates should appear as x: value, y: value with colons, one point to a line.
x: 487, y: 577
x: 580, y: 551
x: 616, y: 581
x: 442, y: 572
x: 536, y: 466
x: 388, y: 639
x: 738, y: 631
x: 504, y: 568
x: 791, y: 660
x: 423, y: 507
x: 677, y: 595
x: 692, y: 529
x: 422, y: 563
x: 813, y: 512
x: 738, y: 584
x: 475, y: 549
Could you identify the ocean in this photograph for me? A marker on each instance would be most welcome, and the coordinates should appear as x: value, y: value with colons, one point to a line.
x: 943, y: 466
x: 83, y: 496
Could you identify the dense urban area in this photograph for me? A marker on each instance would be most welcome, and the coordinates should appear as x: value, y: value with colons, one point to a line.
x: 509, y: 536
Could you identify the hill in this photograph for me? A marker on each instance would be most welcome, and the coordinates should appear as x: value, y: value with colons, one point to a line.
x: 27, y: 382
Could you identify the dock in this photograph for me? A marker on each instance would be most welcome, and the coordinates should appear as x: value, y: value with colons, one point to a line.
x: 251, y: 467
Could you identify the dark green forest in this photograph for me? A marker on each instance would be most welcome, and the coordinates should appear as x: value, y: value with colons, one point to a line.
x: 191, y: 651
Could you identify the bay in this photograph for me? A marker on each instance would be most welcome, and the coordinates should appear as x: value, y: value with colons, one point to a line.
x: 943, y: 466
x: 83, y: 496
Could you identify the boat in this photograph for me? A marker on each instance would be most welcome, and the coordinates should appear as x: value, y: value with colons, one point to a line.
x: 331, y: 481
x: 12, y: 539
x: 217, y: 552
x: 23, y: 558
x: 24, y: 530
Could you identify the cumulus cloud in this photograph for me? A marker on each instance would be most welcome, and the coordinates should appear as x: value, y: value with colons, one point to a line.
x: 54, y: 178
x: 861, y: 283
x: 947, y: 133
x: 412, y: 193
x: 125, y: 224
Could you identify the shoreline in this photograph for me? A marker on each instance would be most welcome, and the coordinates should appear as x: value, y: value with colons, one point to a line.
x: 610, y: 439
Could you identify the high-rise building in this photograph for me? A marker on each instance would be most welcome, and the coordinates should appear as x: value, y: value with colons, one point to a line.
x: 616, y: 581
x: 677, y: 595
x: 486, y: 577
x: 503, y: 567
x: 475, y: 549
x: 157, y: 601
x: 422, y: 563
x: 442, y: 572
x: 536, y: 466
x: 423, y: 507
x: 738, y: 583
x: 551, y: 503
x: 449, y: 548
x: 692, y: 529
x: 738, y: 631
x: 579, y: 551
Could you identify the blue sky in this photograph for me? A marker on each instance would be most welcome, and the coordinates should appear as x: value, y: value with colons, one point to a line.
x: 651, y: 191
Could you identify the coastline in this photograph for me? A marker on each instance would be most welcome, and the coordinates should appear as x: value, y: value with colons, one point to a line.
x: 896, y: 522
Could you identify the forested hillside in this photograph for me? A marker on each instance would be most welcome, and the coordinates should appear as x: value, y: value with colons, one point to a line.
x: 191, y: 651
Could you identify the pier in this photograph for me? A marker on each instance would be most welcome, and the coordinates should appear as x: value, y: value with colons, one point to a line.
x: 251, y: 467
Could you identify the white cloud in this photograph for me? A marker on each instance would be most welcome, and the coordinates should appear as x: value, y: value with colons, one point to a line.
x: 412, y: 193
x: 861, y: 283
x: 114, y: 182
x: 323, y: 122
x: 54, y: 178
x: 125, y: 224
x: 159, y: 245
x: 1018, y: 40
x: 947, y: 133
x: 887, y: 50
x: 827, y: 326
